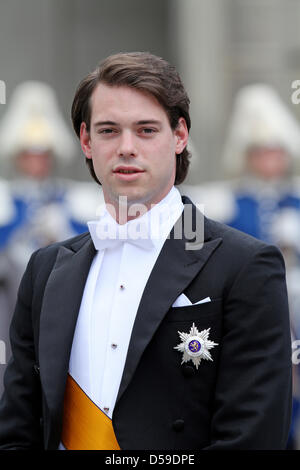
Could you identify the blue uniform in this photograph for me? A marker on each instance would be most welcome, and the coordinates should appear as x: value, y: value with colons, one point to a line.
x: 31, y: 207
x: 255, y: 214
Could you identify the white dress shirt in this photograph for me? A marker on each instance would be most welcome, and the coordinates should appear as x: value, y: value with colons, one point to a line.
x: 112, y: 294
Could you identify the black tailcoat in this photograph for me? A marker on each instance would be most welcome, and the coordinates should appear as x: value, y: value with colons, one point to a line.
x: 240, y: 400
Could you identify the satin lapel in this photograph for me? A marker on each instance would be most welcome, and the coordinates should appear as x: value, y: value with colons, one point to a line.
x: 59, y: 313
x: 177, y: 266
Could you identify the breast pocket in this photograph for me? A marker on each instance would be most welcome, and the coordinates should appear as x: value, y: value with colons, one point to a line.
x: 197, y: 312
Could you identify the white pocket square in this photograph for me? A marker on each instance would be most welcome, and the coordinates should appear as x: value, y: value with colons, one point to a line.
x: 183, y: 301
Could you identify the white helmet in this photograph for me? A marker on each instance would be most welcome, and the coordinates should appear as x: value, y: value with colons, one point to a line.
x: 34, y: 121
x: 259, y: 118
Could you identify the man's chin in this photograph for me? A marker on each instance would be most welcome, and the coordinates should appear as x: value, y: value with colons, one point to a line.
x: 131, y: 197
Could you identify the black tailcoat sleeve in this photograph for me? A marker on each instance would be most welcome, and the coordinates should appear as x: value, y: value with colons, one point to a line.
x: 21, y: 403
x: 252, y: 403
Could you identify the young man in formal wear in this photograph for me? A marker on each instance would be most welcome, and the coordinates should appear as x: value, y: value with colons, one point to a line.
x: 158, y: 328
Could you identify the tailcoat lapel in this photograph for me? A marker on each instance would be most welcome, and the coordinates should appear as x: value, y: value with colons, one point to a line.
x: 175, y: 268
x: 59, y: 313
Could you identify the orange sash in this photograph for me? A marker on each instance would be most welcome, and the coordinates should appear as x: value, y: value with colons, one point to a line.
x: 85, y: 426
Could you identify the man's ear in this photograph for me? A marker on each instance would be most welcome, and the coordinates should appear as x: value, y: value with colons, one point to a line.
x: 182, y: 134
x: 85, y: 140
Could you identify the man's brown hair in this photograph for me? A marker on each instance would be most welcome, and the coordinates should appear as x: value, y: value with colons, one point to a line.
x: 145, y: 72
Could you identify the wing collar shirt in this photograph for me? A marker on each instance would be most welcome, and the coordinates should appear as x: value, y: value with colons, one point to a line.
x: 118, y: 275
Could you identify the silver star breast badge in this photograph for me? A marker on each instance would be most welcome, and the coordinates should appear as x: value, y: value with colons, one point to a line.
x: 195, y: 346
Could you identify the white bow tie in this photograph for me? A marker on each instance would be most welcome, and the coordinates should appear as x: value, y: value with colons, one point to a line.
x: 107, y: 233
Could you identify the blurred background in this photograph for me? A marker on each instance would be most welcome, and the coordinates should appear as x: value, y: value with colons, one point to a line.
x: 240, y: 62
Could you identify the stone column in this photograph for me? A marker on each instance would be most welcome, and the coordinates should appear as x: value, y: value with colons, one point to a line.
x: 199, y: 47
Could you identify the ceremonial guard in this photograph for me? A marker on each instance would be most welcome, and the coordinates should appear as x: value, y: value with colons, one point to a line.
x: 261, y: 195
x: 37, y: 208
x: 261, y: 151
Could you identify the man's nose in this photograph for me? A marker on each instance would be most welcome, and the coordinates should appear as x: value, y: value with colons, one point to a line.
x: 127, y: 145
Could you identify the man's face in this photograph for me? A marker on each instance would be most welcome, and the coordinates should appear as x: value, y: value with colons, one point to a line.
x: 132, y: 145
x: 37, y: 165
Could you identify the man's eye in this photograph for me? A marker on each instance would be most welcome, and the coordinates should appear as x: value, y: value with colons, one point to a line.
x: 148, y: 130
x: 105, y: 131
